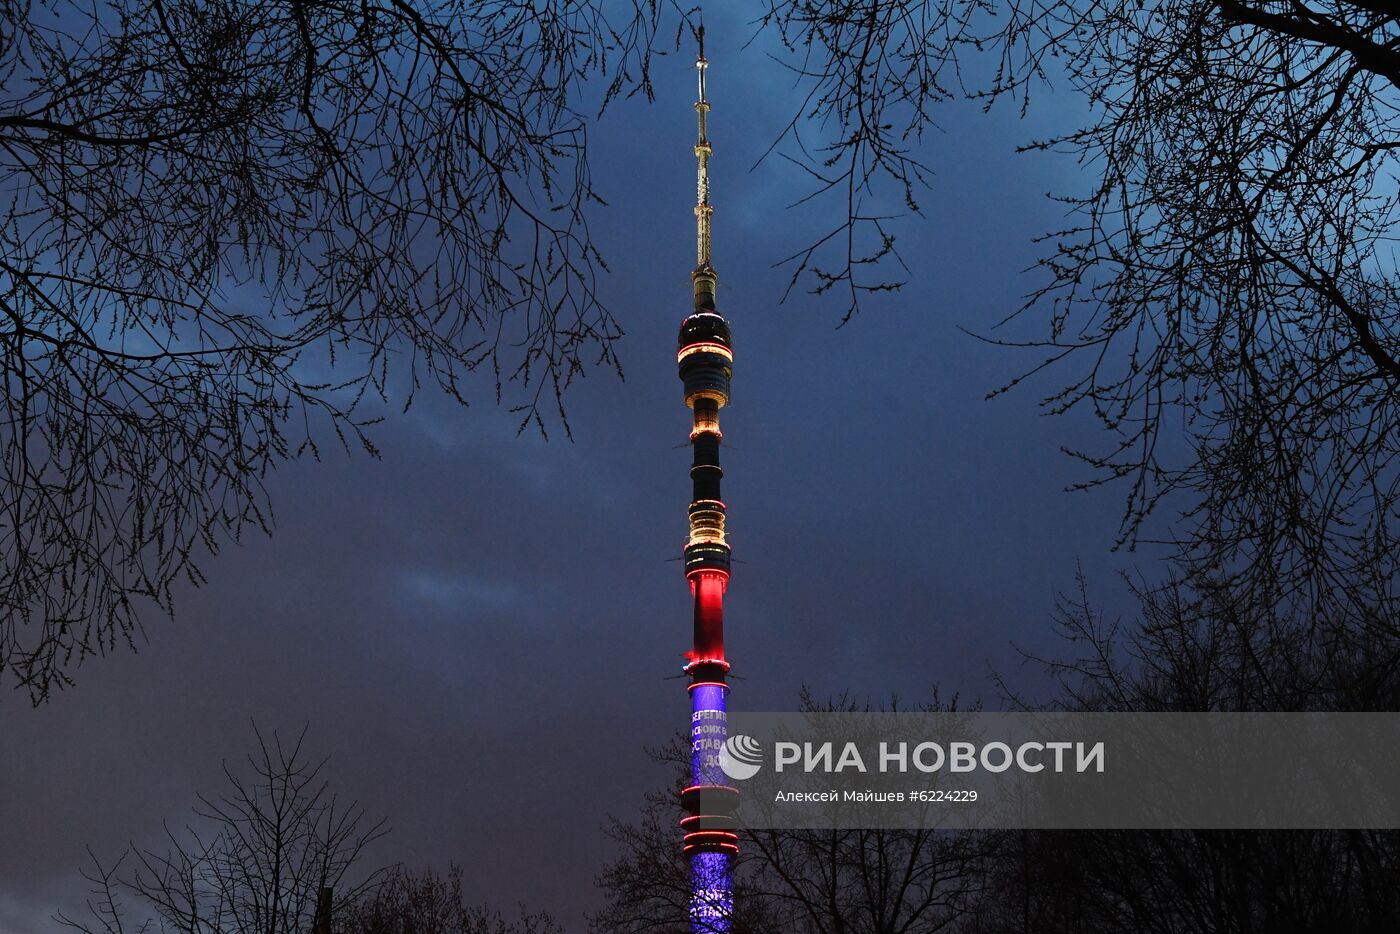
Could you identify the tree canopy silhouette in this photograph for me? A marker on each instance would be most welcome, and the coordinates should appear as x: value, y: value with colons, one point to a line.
x: 1227, y: 276
x: 270, y: 852
x: 233, y: 227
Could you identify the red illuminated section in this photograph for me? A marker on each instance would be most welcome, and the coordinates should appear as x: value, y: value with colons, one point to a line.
x: 708, y: 587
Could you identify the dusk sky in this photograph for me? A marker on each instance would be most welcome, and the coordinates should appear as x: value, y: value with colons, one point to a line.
x: 484, y: 631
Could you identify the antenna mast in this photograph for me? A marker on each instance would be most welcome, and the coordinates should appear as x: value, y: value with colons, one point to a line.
x: 704, y: 276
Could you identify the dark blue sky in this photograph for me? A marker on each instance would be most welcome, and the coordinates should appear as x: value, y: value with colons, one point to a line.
x: 480, y: 627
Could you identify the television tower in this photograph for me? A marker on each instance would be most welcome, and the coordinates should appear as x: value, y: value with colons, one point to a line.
x: 705, y: 360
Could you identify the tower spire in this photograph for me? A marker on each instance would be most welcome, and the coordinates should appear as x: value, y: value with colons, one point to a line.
x: 704, y: 275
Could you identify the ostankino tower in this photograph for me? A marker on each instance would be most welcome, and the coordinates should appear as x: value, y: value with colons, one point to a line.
x: 705, y: 359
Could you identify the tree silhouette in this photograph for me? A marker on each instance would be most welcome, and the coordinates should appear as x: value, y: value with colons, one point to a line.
x: 255, y: 857
x: 1224, y: 297
x: 233, y: 228
x: 1205, y: 649
x: 405, y: 902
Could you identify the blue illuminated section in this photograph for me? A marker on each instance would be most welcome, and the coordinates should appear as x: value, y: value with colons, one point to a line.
x: 711, y: 881
x: 708, y: 731
x: 711, y: 894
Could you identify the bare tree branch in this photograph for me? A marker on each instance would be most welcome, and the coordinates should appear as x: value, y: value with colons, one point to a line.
x: 236, y: 228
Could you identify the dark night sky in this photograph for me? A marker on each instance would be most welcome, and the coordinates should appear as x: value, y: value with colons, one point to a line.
x: 479, y: 628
